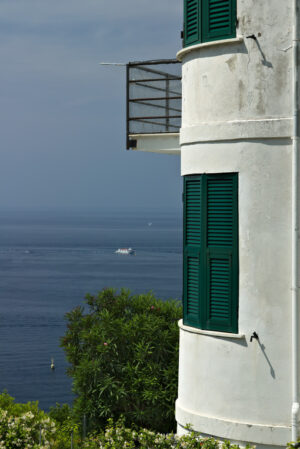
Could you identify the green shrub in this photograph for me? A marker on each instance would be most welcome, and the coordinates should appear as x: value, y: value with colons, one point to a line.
x: 123, y: 356
x: 66, y: 425
x: 61, y: 413
x: 24, y: 425
x: 119, y: 437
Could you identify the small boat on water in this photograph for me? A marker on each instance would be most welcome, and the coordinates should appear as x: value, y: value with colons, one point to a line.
x: 125, y: 251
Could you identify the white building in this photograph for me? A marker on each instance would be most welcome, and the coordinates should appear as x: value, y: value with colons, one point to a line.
x: 239, y: 358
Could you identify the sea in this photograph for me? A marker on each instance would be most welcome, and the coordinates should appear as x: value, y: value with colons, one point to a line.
x: 49, y: 261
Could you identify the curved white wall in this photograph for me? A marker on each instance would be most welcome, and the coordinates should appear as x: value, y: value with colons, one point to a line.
x: 230, y: 387
x: 243, y: 78
x: 237, y: 118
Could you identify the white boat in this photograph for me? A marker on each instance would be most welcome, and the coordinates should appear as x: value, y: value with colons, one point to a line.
x: 125, y: 251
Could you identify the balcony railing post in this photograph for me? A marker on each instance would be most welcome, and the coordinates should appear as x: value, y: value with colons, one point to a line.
x: 167, y: 103
x: 127, y: 107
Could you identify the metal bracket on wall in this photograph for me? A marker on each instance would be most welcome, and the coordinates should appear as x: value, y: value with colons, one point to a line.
x: 254, y: 335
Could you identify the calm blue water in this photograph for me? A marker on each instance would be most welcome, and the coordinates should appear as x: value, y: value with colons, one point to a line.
x: 48, y: 262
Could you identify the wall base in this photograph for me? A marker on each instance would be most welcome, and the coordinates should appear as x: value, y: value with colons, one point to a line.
x: 263, y: 436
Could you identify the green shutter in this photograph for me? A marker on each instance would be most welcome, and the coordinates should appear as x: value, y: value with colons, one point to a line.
x: 192, y: 249
x: 221, y: 271
x: 218, y: 19
x: 211, y: 252
x: 193, y: 211
x: 219, y: 211
x: 192, y: 20
x: 209, y: 20
x: 193, y: 285
x: 219, y: 274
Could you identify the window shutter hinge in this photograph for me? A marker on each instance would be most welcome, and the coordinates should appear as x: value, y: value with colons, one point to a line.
x: 182, y: 197
x: 181, y: 34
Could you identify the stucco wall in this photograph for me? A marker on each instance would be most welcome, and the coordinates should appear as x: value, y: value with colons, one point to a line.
x: 237, y: 109
x: 247, y: 384
x: 248, y: 79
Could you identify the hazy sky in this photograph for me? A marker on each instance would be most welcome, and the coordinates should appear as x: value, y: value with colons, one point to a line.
x: 62, y: 115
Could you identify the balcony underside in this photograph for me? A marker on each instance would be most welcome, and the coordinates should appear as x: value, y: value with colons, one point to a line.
x: 164, y: 143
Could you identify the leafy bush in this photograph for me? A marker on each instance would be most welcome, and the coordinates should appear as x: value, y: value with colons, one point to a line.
x: 66, y: 427
x: 123, y: 357
x: 120, y: 437
x: 61, y: 413
x: 24, y: 425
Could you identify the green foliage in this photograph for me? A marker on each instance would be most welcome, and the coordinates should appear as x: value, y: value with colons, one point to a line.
x: 228, y: 445
x: 63, y: 435
x: 61, y: 413
x: 23, y: 425
x: 8, y: 403
x: 123, y: 356
x: 119, y: 437
x: 66, y: 426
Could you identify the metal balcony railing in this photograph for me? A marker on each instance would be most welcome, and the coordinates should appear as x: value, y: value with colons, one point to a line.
x: 153, y: 98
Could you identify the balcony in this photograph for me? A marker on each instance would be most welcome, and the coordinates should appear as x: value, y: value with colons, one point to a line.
x: 153, y: 105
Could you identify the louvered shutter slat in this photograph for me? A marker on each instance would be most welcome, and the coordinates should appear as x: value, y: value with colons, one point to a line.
x: 219, y: 289
x: 218, y: 19
x: 192, y: 22
x: 221, y: 230
x: 193, y: 213
x: 192, y: 248
x: 219, y: 212
x: 193, y: 287
x: 211, y: 252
